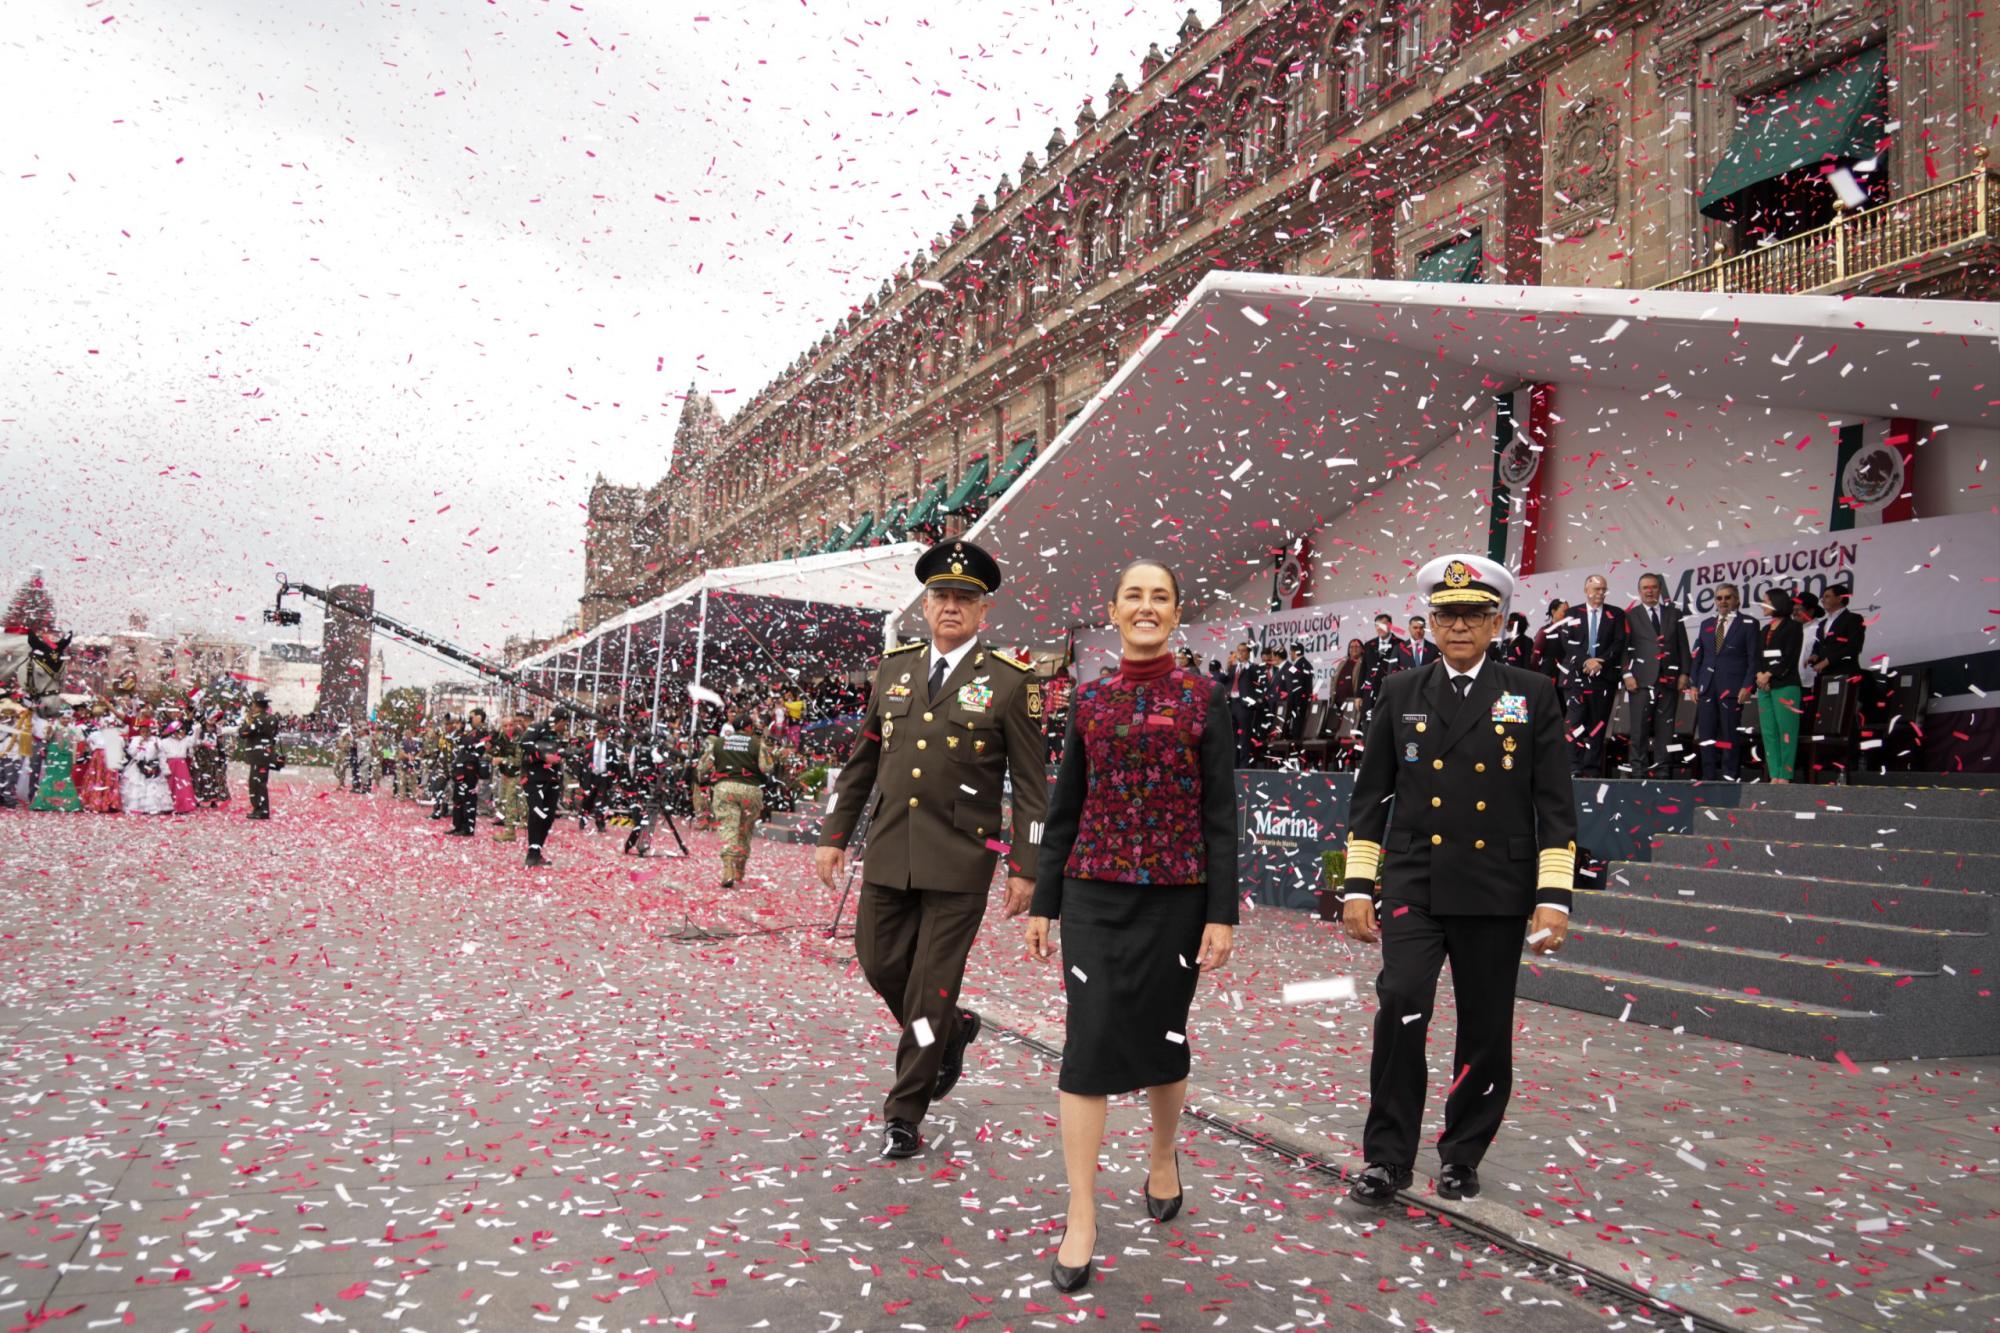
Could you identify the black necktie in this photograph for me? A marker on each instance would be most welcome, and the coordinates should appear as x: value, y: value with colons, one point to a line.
x: 1656, y: 622
x: 1460, y: 686
x: 937, y: 678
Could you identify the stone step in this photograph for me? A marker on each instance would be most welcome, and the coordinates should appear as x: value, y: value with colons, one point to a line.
x: 1793, y: 934
x: 1766, y: 1022
x: 1768, y: 891
x: 1900, y: 832
x: 1753, y: 973
x: 1904, y: 802
x: 1926, y: 781
x: 1949, y: 870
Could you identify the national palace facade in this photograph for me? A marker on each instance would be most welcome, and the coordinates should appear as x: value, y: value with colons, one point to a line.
x: 1837, y: 146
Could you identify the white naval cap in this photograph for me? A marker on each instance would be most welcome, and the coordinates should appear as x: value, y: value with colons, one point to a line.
x: 1467, y: 580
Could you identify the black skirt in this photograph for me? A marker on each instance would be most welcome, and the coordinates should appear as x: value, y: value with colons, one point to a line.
x: 1129, y: 973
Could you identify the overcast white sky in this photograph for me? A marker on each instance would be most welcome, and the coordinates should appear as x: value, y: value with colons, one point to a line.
x: 369, y: 292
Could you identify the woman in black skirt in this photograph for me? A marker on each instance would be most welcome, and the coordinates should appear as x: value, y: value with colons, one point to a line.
x: 1139, y: 862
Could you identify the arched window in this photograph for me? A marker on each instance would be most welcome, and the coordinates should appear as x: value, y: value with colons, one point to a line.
x: 1348, y: 66
x: 1113, y: 229
x: 1406, y: 20
x: 1294, y: 85
x: 1089, y: 245
x: 1245, y: 146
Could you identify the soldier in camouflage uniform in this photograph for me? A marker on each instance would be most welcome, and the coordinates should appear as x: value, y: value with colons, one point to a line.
x: 736, y: 761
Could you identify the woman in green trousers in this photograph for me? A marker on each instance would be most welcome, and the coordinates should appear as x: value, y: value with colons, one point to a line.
x: 1778, y: 692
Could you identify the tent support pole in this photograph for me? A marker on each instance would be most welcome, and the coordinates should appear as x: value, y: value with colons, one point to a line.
x: 625, y: 676
x: 700, y: 645
x: 659, y: 657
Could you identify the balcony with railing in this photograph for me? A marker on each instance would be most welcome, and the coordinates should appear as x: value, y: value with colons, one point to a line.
x: 1844, y: 252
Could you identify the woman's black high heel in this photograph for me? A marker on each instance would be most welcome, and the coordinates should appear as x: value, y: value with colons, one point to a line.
x: 1164, y: 1210
x: 1065, y: 1278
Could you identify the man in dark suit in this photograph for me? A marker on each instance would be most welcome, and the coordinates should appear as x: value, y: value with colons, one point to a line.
x: 1298, y: 692
x: 1482, y: 836
x: 1422, y: 651
x: 1242, y: 690
x: 1655, y: 663
x: 1595, y: 644
x: 1267, y: 704
x: 1722, y: 677
x: 1381, y: 657
x: 947, y: 726
x: 1835, y: 649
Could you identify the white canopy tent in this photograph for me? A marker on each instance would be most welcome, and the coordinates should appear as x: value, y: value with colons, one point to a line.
x: 872, y: 580
x: 1267, y: 406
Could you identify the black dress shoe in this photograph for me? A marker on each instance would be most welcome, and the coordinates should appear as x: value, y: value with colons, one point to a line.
x: 1457, y: 1181
x: 535, y: 860
x: 1164, y: 1210
x: 963, y: 1034
x: 1065, y: 1278
x: 1378, y: 1184
x: 901, y: 1139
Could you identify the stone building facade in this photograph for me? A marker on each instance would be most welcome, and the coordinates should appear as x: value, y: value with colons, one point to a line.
x: 1556, y: 142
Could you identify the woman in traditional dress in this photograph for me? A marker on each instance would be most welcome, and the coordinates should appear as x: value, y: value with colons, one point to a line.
x: 180, y: 778
x: 144, y: 781
x: 1138, y: 862
x: 208, y: 762
x: 103, y: 765
x: 58, y: 786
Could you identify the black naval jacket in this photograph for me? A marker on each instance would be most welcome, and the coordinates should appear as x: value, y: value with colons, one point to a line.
x: 1484, y: 816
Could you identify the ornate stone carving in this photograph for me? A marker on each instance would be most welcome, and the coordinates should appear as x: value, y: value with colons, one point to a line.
x: 1583, y: 176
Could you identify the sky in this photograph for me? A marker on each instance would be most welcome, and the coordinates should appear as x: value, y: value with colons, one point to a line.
x: 370, y: 292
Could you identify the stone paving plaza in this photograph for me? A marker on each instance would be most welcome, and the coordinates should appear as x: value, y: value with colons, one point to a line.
x: 341, y: 1072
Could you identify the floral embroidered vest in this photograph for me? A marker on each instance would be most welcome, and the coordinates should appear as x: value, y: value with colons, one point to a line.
x: 1141, y: 820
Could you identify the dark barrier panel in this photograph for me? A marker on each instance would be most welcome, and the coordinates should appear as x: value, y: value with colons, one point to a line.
x: 1289, y: 821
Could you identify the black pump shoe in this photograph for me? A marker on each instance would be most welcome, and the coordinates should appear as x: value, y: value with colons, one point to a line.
x: 1065, y: 1278
x: 1164, y: 1210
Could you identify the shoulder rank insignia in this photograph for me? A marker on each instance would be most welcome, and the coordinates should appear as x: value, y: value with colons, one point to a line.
x: 909, y: 647
x: 1018, y: 663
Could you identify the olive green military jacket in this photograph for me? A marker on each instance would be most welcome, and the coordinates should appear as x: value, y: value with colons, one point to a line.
x: 938, y: 771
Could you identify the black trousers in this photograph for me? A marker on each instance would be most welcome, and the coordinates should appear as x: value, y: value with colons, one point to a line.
x: 1650, y: 714
x: 464, y: 803
x: 912, y: 944
x: 543, y: 796
x: 1485, y: 957
x: 1239, y: 717
x: 260, y: 790
x: 1717, y: 716
x: 1589, y: 717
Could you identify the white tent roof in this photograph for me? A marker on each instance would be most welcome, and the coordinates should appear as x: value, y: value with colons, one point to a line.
x: 874, y: 578
x: 1267, y: 404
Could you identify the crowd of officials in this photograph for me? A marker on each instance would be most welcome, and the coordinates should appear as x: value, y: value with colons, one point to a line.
x: 1611, y: 665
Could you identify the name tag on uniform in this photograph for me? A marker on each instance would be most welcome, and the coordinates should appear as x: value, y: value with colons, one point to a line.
x: 1511, y: 708
x: 976, y: 697
x: 1416, y: 717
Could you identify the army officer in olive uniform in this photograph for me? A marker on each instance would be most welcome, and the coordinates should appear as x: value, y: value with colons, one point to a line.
x: 947, y: 723
x: 1481, y: 837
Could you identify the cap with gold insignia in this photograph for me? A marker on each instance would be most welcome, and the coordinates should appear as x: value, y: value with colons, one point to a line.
x: 1466, y: 580
x: 957, y: 563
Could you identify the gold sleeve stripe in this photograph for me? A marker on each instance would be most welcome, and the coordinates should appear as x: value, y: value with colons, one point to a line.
x: 1558, y: 868
x: 1364, y: 859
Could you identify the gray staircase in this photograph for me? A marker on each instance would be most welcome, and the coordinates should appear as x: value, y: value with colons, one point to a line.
x: 1858, y: 921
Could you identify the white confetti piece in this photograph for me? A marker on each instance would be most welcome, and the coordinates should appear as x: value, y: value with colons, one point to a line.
x: 1177, y: 1038
x: 921, y: 1030
x: 1255, y: 316
x: 1309, y: 992
x: 1540, y: 935
x: 1077, y: 972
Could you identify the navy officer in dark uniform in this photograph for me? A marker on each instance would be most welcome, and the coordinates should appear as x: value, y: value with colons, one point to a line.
x: 1481, y: 837
x: 948, y: 724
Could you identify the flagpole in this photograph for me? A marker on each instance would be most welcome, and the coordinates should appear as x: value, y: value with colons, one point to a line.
x: 700, y: 645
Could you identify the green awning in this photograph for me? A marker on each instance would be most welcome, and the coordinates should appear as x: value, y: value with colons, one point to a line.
x: 856, y: 535
x: 970, y: 486
x: 1457, y: 262
x: 925, y: 511
x: 1839, y: 114
x: 1010, y: 471
x: 895, y: 524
